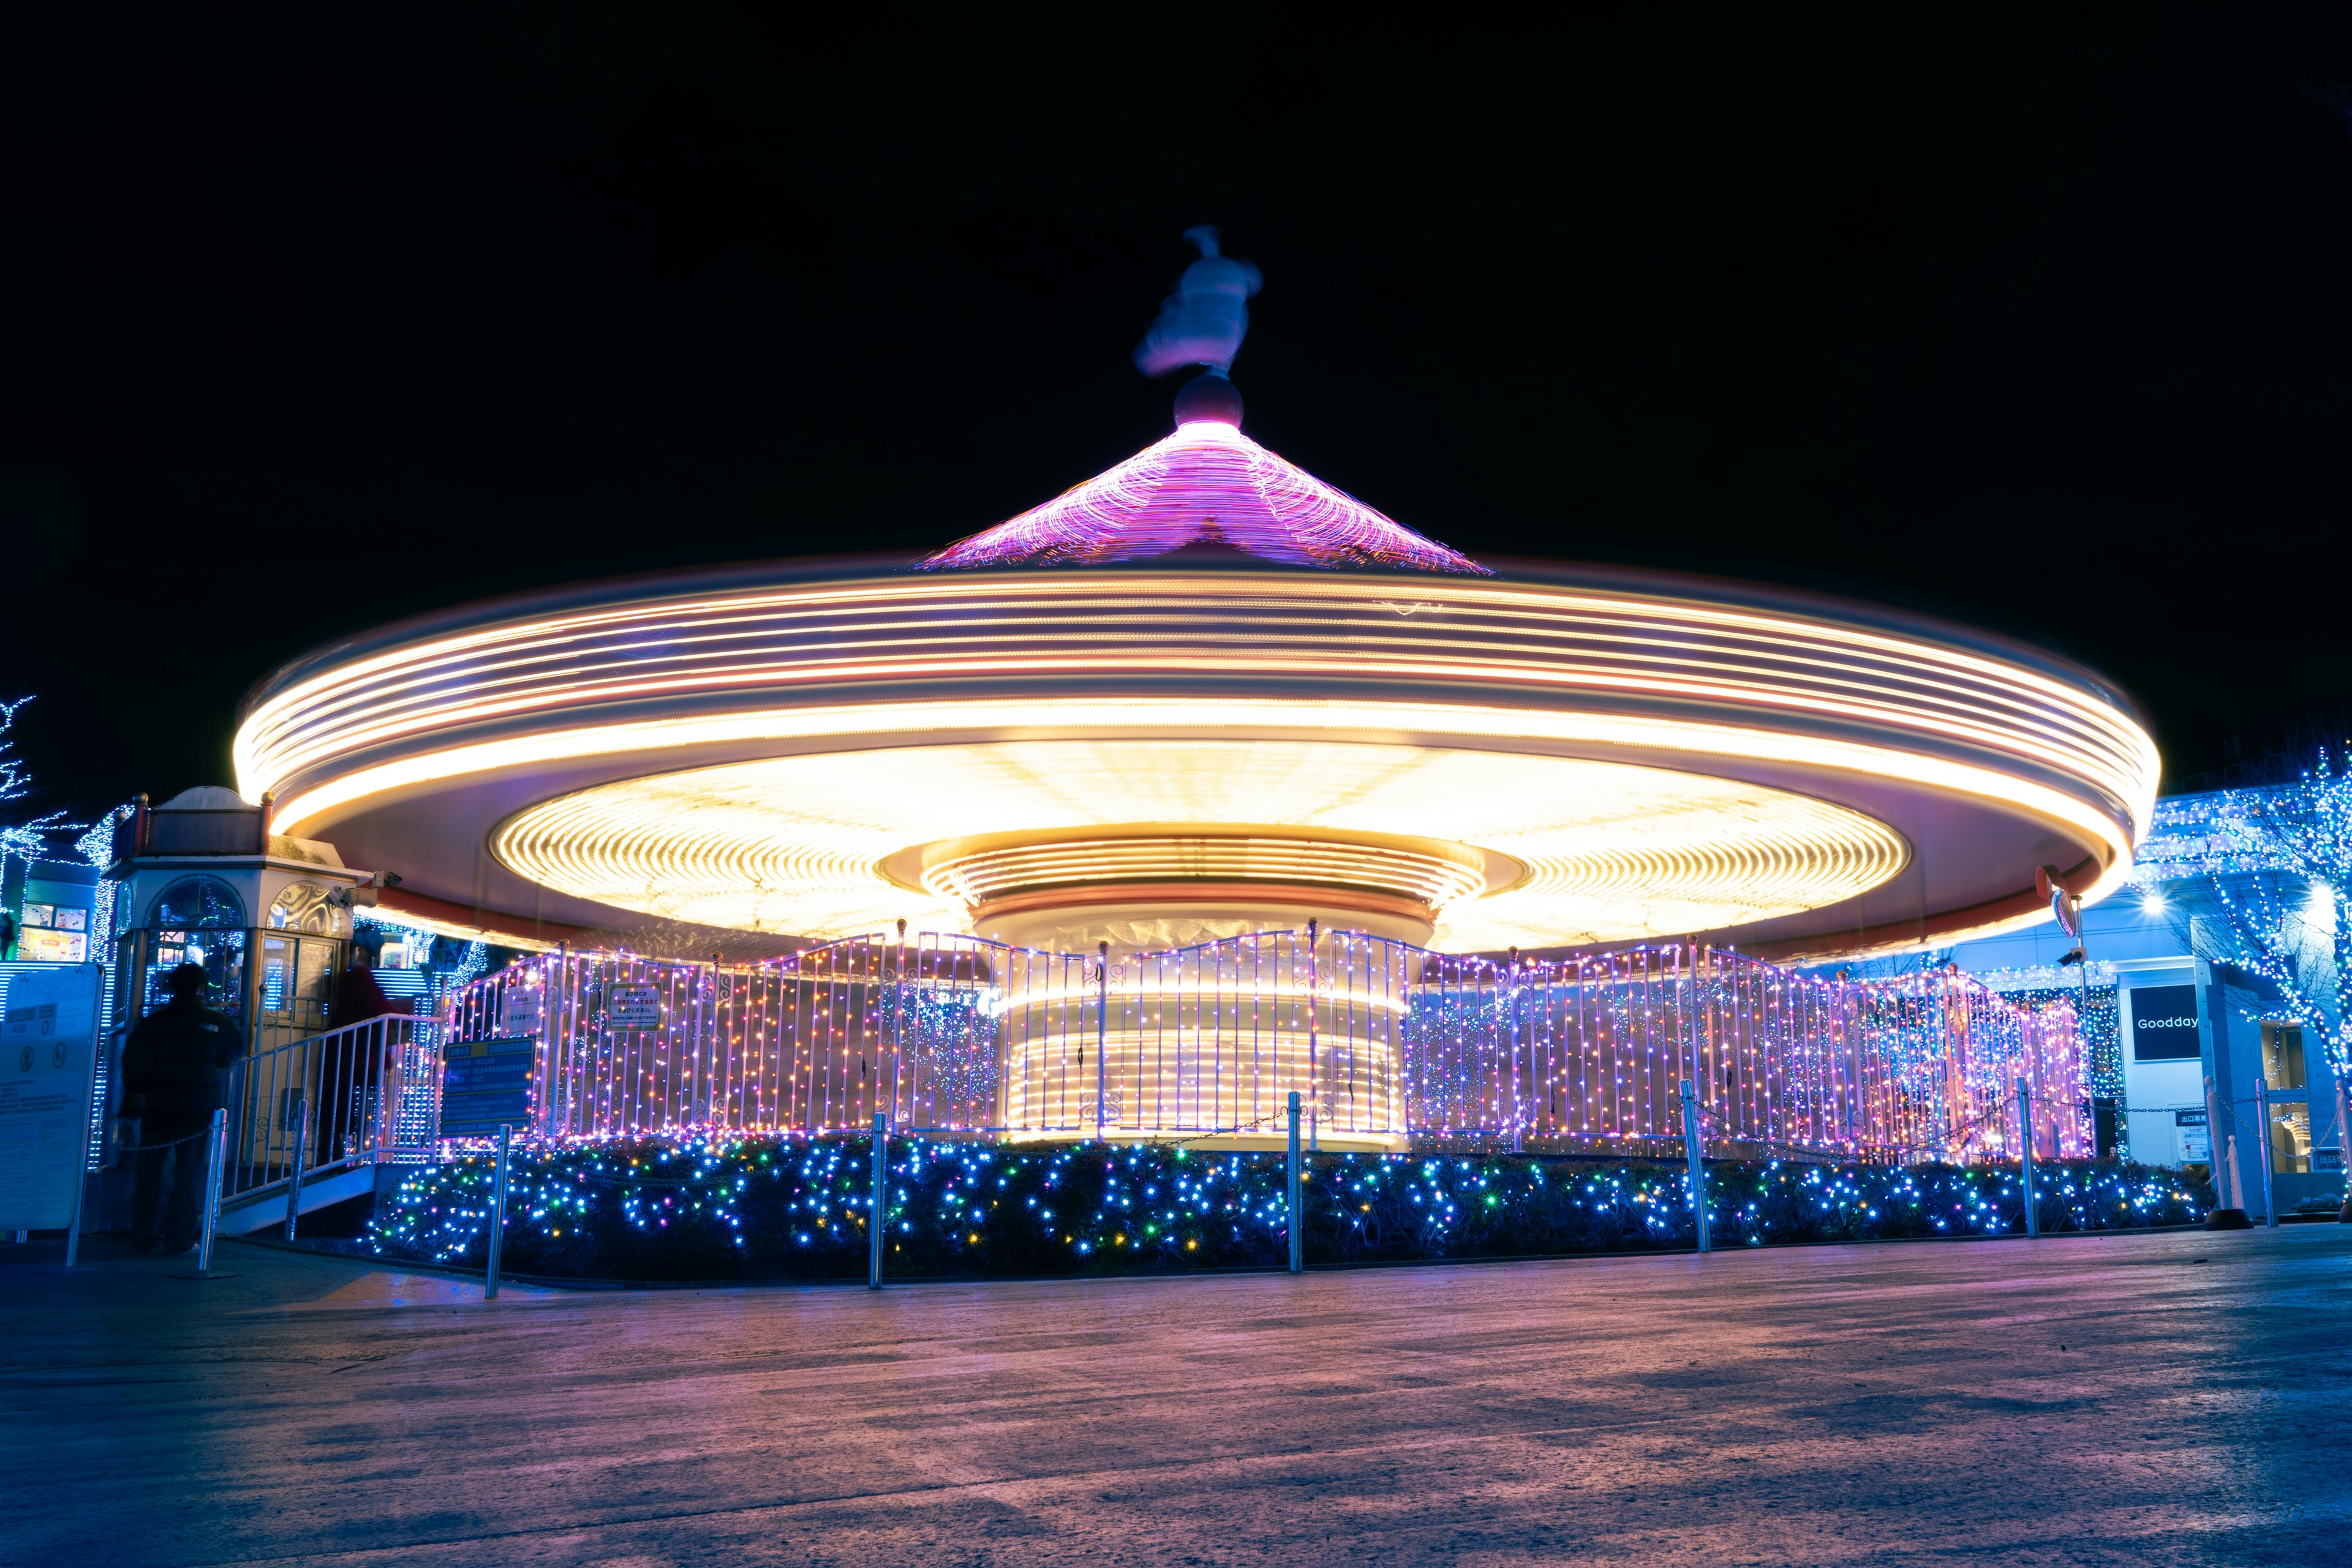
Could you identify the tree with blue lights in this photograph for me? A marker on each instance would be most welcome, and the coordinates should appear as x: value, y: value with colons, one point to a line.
x: 29, y: 838
x: 2287, y: 915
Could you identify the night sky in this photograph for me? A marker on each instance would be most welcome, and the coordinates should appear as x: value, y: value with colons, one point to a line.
x: 2038, y: 320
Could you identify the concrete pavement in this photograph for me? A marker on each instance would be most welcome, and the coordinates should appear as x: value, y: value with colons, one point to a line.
x: 2167, y: 1398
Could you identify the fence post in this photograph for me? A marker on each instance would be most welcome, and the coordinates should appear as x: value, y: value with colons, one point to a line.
x: 215, y: 1160
x: 497, y: 1214
x: 301, y: 1152
x: 2263, y: 1147
x: 1511, y: 1006
x: 2025, y: 1154
x: 1314, y: 1069
x: 1297, y: 1239
x: 898, y: 1035
x: 1697, y: 1152
x: 879, y: 1208
x: 1102, y: 1031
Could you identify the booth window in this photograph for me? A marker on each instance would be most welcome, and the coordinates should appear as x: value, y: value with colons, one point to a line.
x: 198, y: 920
x: 299, y: 957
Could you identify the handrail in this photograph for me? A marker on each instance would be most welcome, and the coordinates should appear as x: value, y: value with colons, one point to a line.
x: 372, y: 1098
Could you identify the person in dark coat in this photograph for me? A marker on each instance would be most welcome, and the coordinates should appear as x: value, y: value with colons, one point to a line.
x: 349, y: 1073
x: 173, y: 1072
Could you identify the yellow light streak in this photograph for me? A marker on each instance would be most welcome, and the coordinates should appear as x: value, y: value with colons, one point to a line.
x: 1240, y: 655
x: 1543, y: 639
x: 1608, y: 851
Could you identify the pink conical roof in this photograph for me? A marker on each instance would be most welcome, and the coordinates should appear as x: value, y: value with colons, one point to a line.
x: 1205, y: 485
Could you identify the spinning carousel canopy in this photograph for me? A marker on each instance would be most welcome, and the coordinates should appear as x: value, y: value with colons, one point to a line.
x: 1119, y: 735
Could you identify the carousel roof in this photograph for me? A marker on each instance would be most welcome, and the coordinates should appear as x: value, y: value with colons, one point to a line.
x: 1207, y: 489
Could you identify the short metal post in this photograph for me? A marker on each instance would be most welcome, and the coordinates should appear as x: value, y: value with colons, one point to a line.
x: 73, y: 1225
x: 2213, y: 1137
x: 2262, y: 1146
x: 873, y: 1218
x: 1696, y: 1149
x: 301, y: 1152
x: 2025, y: 1154
x: 216, y: 1159
x: 1297, y: 1239
x: 497, y: 1214
x: 2344, y: 1148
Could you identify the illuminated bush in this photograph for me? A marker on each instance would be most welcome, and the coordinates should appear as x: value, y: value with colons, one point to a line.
x: 778, y: 1208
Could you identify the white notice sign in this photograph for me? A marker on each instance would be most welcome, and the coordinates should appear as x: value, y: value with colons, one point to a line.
x: 48, y: 1048
x: 519, y: 1012
x: 633, y: 1007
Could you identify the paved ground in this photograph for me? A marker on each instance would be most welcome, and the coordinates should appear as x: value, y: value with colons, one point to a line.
x: 2181, y: 1398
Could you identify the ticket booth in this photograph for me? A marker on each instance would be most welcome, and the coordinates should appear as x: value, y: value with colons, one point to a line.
x: 202, y: 881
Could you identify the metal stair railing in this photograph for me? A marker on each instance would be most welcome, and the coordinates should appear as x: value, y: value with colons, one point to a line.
x: 363, y: 1095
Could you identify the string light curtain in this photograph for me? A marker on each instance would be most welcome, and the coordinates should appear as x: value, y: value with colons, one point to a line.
x: 1389, y: 1045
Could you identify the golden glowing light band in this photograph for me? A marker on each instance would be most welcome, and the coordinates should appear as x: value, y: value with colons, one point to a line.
x: 974, y: 879
x: 1598, y: 850
x: 1542, y: 645
x: 887, y: 667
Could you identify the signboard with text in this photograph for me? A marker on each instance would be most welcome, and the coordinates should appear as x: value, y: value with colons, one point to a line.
x: 633, y: 1007
x: 519, y: 1010
x: 2164, y: 1022
x: 487, y: 1084
x: 48, y: 1047
x: 2196, y: 1140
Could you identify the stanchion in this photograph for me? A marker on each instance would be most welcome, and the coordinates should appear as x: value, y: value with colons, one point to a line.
x: 1695, y: 1149
x: 2263, y: 1147
x: 498, y: 1214
x: 216, y: 1159
x: 878, y: 1208
x: 301, y: 1154
x: 2025, y: 1155
x: 1297, y: 1231
x: 2344, y: 1148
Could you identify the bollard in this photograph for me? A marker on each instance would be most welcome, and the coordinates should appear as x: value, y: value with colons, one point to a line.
x: 1298, y: 1237
x: 1696, y: 1149
x: 216, y: 1157
x: 497, y: 1214
x: 301, y: 1152
x: 881, y: 1182
x: 2025, y: 1155
x: 2344, y: 1148
x: 2263, y: 1148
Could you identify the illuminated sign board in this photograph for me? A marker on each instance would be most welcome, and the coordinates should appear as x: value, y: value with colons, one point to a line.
x: 2163, y: 1024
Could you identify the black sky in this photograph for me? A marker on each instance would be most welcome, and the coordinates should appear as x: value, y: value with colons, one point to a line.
x: 2040, y: 318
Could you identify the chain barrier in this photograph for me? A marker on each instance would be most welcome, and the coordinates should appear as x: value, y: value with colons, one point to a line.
x: 1237, y: 1127
x: 143, y: 1148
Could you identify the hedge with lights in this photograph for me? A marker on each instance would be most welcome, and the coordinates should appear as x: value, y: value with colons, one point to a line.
x: 796, y: 1207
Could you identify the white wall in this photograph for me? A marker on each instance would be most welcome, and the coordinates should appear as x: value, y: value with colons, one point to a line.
x: 2154, y: 1090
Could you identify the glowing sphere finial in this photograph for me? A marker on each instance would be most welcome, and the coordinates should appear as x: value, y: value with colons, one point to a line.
x: 1209, y: 399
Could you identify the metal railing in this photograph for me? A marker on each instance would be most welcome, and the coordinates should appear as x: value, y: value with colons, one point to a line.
x: 364, y: 1094
x: 1389, y: 1047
